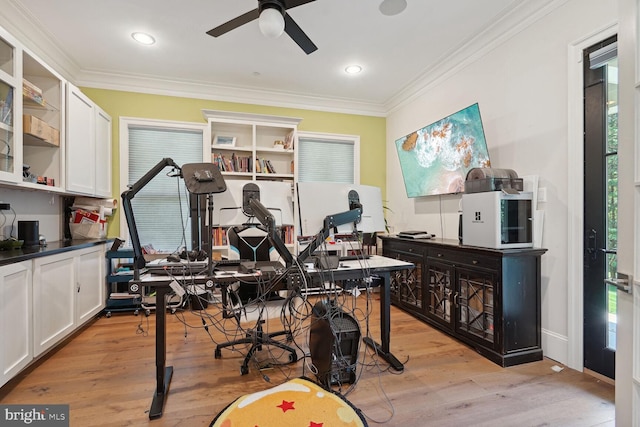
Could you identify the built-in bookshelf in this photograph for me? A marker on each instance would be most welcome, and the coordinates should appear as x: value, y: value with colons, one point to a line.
x: 253, y: 147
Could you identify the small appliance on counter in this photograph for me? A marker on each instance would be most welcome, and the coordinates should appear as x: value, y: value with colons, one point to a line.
x: 29, y: 232
x: 495, y: 212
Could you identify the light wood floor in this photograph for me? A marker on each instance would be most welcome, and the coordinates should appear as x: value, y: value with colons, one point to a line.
x: 107, y: 375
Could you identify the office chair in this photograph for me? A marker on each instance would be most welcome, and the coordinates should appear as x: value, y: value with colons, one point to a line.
x: 370, y: 243
x: 248, y: 302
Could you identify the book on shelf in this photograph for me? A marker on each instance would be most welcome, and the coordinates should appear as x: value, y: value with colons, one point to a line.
x: 267, y: 167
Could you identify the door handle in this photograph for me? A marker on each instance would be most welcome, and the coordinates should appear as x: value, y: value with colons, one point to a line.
x: 623, y: 282
x: 591, y: 243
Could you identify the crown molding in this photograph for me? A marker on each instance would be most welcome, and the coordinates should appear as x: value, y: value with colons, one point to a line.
x: 191, y: 89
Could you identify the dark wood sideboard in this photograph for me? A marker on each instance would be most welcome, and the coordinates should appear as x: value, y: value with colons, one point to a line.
x: 486, y: 298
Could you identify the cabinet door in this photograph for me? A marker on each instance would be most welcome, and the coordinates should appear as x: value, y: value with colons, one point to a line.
x: 439, y: 294
x: 103, y: 153
x: 15, y: 319
x: 90, y: 287
x: 53, y: 300
x: 406, y: 285
x: 475, y: 302
x: 9, y: 120
x: 81, y: 154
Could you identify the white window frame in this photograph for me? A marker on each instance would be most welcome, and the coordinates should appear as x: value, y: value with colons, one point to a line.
x: 334, y: 137
x: 125, y: 123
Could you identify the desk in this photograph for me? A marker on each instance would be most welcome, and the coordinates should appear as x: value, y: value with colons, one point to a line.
x: 377, y: 265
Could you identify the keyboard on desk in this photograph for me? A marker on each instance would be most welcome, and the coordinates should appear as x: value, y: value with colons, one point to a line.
x: 229, y: 262
x: 353, y: 257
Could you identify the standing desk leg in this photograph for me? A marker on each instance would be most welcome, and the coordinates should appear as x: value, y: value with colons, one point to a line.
x: 385, y: 326
x: 163, y: 374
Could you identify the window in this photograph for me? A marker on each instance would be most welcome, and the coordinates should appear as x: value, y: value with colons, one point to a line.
x: 328, y: 158
x: 161, y: 208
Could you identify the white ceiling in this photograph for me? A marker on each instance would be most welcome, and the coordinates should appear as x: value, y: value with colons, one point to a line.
x: 91, y: 41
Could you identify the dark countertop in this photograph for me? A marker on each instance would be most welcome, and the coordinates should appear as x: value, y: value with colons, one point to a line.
x: 52, y: 248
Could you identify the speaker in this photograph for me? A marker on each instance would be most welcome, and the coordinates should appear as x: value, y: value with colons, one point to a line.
x: 334, y: 338
x: 29, y: 231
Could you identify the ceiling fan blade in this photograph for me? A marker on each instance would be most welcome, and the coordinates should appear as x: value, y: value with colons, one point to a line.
x: 298, y: 36
x: 234, y: 23
x: 289, y: 4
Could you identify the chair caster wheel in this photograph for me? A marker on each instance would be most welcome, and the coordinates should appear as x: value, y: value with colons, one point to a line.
x: 147, y: 313
x: 108, y: 314
x: 244, y: 370
x: 217, y: 354
x: 135, y: 313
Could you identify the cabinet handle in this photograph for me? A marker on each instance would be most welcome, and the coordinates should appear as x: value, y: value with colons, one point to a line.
x: 440, y: 255
x: 78, y: 287
x: 475, y: 262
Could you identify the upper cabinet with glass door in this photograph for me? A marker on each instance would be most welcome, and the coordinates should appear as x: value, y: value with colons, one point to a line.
x: 9, y: 155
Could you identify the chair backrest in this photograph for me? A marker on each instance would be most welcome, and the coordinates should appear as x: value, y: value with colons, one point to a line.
x: 250, y: 243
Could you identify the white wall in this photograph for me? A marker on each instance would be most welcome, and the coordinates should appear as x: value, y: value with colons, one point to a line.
x: 522, y: 89
x: 626, y: 389
x: 32, y: 205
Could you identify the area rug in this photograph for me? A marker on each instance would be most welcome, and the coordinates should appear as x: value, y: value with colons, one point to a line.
x: 297, y: 403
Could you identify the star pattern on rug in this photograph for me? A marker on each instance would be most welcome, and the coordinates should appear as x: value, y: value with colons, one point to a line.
x: 285, y: 406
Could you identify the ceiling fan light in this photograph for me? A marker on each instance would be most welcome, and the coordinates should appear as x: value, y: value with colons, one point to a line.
x: 271, y: 22
x: 392, y: 7
x: 143, y: 38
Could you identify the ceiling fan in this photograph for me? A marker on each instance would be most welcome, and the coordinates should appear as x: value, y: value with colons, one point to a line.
x: 273, y: 20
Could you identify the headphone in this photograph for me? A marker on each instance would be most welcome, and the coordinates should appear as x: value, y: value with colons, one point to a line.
x: 194, y: 255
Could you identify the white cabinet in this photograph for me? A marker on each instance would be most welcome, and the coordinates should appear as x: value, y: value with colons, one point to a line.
x: 9, y: 82
x: 53, y: 300
x: 90, y: 288
x: 68, y: 290
x: 88, y: 164
x: 103, y: 153
x: 49, y: 126
x: 15, y: 319
x: 81, y: 148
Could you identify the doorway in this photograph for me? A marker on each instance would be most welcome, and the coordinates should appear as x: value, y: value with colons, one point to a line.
x: 600, y: 205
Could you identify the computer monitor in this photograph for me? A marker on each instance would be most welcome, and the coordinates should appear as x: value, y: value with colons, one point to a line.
x: 316, y: 200
x: 276, y: 196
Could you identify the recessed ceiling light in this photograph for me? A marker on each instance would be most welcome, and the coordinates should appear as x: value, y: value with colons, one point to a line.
x: 392, y: 7
x: 143, y: 38
x: 353, y: 69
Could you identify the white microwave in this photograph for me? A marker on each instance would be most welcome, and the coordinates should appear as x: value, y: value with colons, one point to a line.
x: 496, y: 219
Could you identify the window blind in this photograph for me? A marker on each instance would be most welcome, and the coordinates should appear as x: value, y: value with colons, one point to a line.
x: 324, y: 160
x: 161, y: 208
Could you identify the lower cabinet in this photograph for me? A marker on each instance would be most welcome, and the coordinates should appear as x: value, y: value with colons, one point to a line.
x: 90, y: 289
x: 15, y: 319
x: 487, y: 298
x: 68, y: 290
x: 53, y: 300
